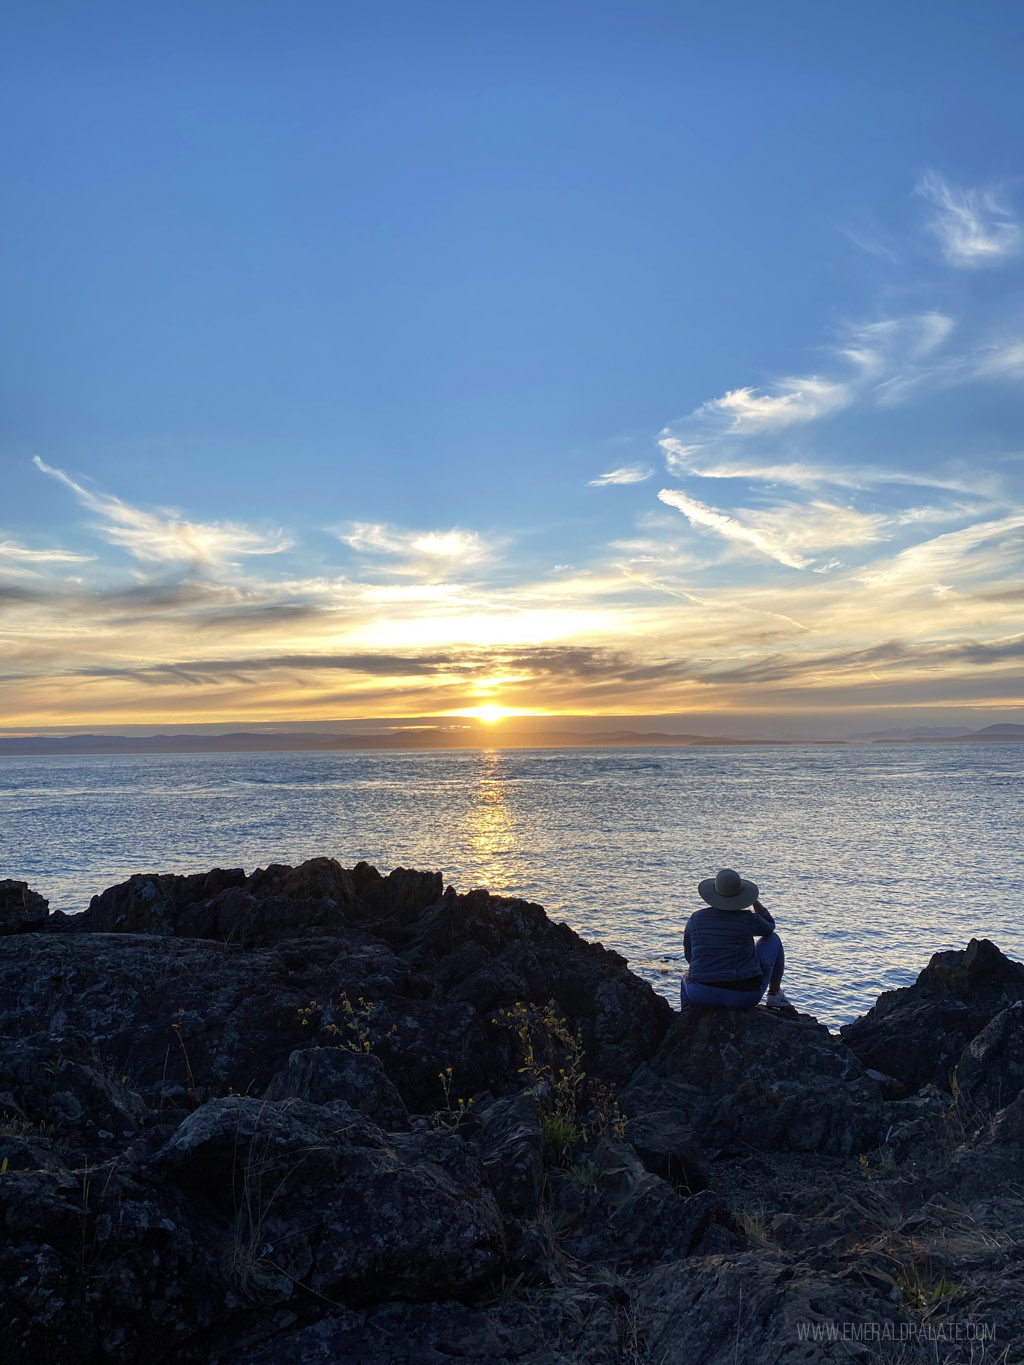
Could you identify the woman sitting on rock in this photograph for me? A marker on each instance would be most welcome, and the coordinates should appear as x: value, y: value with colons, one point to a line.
x: 726, y: 966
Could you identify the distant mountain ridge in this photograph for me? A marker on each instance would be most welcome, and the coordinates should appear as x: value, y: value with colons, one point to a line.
x: 439, y: 737
x: 411, y: 738
x: 945, y: 734
x: 904, y: 732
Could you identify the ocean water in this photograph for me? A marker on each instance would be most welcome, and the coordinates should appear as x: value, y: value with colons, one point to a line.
x: 870, y: 857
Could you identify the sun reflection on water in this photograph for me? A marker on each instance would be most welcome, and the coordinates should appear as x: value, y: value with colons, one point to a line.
x: 490, y: 828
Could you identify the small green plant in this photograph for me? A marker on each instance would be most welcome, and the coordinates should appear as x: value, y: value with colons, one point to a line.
x: 56, y: 1065
x: 607, y: 1118
x: 11, y: 1126
x: 561, y: 1132
x: 451, y: 1116
x: 503, y: 1289
x: 585, y: 1174
x: 3, y: 1166
x: 351, y: 1027
x: 552, y: 1060
x: 916, y: 1284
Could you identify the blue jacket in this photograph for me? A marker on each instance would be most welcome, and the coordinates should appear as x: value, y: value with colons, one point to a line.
x: 719, y: 944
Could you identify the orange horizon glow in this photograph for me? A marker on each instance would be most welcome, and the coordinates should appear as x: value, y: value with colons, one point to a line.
x: 490, y: 713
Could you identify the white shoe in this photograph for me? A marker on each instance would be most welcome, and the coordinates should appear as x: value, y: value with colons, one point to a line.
x: 777, y: 1001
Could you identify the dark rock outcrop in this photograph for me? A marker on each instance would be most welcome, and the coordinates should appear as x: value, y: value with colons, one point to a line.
x: 290, y: 1115
x: 378, y: 1220
x: 990, y: 1073
x: 22, y: 911
x: 325, y: 1075
x: 510, y: 1144
x: 742, y: 1079
x: 918, y: 1033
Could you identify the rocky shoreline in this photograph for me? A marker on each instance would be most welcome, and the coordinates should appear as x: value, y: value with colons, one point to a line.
x: 319, y: 1114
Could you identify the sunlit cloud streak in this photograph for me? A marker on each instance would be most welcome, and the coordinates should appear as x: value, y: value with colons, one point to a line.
x: 795, y: 400
x: 435, y: 554
x: 374, y: 665
x: 974, y: 227
x: 786, y: 532
x: 634, y: 473
x: 955, y: 553
x: 699, y: 514
x: 896, y: 654
x: 881, y: 362
x: 23, y: 554
x: 164, y: 538
x: 853, y: 477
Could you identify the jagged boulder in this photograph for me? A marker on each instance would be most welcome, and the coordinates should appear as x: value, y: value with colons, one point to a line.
x: 271, y: 904
x: 65, y: 1090
x: 991, y: 1161
x: 177, y: 1015
x: 317, y: 879
x: 491, y: 951
x: 316, y: 1200
x: 97, y: 1265
x: 990, y: 1073
x: 757, y: 1307
x: 612, y: 1210
x: 22, y: 911
x: 742, y: 1078
x: 389, y: 904
x: 664, y: 1142
x: 324, y: 1075
x: 510, y: 1144
x: 152, y: 903
x: 919, y: 1032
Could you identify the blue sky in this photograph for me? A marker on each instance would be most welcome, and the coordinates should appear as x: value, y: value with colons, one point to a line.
x: 398, y: 360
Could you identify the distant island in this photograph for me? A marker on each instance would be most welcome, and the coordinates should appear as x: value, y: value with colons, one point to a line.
x: 419, y: 737
x: 428, y: 737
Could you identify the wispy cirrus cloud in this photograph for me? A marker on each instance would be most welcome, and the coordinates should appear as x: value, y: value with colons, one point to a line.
x: 24, y: 554
x: 878, y: 363
x: 688, y: 460
x: 634, y: 473
x: 749, y: 410
x: 974, y: 227
x: 814, y: 477
x: 987, y: 549
x: 1002, y: 360
x: 432, y: 554
x: 788, y: 533
x: 165, y: 537
x: 871, y: 354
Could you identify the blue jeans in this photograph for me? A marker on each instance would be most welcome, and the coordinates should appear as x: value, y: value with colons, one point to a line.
x: 769, y: 954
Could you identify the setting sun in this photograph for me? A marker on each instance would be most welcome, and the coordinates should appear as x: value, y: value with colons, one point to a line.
x: 489, y: 714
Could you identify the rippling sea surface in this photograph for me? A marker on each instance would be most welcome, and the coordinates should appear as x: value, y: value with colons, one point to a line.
x: 870, y: 857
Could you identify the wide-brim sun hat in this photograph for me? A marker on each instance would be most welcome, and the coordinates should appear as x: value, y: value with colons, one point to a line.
x: 727, y: 890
